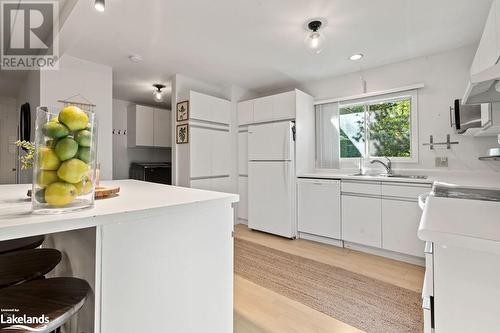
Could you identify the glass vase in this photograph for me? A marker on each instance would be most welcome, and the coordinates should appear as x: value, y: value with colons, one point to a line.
x: 65, y: 160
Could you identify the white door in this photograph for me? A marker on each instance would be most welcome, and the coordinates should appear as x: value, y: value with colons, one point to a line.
x: 400, y: 226
x: 162, y: 128
x: 361, y: 220
x: 319, y: 207
x: 144, y: 133
x: 270, y: 198
x: 270, y: 142
x: 243, y: 153
x: 220, y: 152
x: 243, y: 203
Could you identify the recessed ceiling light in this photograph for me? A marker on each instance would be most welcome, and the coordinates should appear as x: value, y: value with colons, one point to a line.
x: 356, y: 56
x: 135, y: 58
x: 99, y: 5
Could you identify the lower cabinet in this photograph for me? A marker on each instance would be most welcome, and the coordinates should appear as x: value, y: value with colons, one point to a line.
x: 243, y: 203
x: 362, y: 220
x: 400, y: 226
x: 319, y: 207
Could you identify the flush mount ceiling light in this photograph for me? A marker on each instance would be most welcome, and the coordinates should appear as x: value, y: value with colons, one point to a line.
x: 135, y: 58
x: 314, y: 40
x: 357, y: 56
x: 99, y: 5
x: 157, y: 93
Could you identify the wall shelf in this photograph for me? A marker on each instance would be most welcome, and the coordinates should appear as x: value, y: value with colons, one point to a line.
x: 489, y: 158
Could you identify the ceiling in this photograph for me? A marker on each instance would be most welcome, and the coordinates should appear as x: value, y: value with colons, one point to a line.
x: 258, y: 44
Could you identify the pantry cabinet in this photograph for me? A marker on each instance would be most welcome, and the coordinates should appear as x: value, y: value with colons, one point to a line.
x: 148, y: 127
x: 209, y: 108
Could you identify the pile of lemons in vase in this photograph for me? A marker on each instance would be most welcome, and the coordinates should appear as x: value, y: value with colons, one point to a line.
x: 63, y: 164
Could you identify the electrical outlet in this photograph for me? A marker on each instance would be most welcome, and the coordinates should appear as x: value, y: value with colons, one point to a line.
x: 441, y: 162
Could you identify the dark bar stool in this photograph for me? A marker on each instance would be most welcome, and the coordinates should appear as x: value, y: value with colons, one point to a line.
x: 21, y: 244
x: 56, y: 298
x: 26, y: 265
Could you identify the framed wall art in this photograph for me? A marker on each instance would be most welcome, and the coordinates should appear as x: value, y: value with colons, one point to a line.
x: 182, y: 134
x: 183, y: 111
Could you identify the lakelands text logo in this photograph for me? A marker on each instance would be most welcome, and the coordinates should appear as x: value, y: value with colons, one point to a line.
x: 29, y: 35
x: 25, y: 323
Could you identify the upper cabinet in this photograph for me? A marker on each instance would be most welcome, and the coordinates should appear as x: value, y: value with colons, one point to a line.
x: 269, y: 108
x: 488, y: 51
x: 148, y: 127
x: 208, y: 108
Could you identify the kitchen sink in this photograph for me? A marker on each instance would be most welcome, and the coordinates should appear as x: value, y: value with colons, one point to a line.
x: 394, y: 175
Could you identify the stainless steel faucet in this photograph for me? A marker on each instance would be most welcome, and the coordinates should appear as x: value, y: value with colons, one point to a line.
x: 387, y: 166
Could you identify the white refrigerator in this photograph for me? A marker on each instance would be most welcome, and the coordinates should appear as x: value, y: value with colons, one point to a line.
x: 271, y: 178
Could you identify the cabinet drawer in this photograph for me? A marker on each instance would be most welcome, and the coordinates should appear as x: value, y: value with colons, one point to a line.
x: 372, y: 188
x: 408, y: 191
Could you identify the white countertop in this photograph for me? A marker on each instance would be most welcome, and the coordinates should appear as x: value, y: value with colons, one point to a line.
x: 464, y: 178
x: 472, y: 224
x: 135, y: 197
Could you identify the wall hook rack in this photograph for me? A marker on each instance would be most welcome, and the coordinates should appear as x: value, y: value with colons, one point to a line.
x: 448, y: 142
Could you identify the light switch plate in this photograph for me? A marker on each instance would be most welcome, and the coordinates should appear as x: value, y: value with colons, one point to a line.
x: 441, y: 162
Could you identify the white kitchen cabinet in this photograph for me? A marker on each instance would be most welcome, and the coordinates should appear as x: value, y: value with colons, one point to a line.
x: 200, y: 152
x: 263, y: 109
x: 243, y: 153
x: 162, y: 128
x: 148, y: 127
x: 400, y: 226
x: 220, y: 152
x: 243, y: 203
x: 319, y: 207
x: 245, y: 112
x: 488, y: 50
x: 209, y: 108
x: 362, y: 220
x: 284, y: 105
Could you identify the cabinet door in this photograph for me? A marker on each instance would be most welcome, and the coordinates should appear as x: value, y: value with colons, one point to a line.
x: 220, y: 152
x: 488, y: 56
x: 319, y: 207
x: 243, y: 203
x: 199, y: 106
x: 284, y: 106
x: 245, y: 112
x: 263, y: 109
x: 144, y: 122
x: 400, y: 220
x: 220, y: 110
x: 162, y: 128
x: 200, y: 152
x: 361, y: 220
x: 243, y: 153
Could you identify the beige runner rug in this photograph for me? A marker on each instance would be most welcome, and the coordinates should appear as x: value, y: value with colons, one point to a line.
x: 363, y: 302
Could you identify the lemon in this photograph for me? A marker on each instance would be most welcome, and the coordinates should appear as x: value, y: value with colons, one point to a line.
x: 84, y: 154
x: 55, y: 130
x: 47, y: 159
x: 72, y: 171
x: 73, y: 117
x: 46, y: 177
x: 84, y: 138
x: 60, y: 194
x: 84, y: 187
x: 66, y: 148
x: 40, y: 195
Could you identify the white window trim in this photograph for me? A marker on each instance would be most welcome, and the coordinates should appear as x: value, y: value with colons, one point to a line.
x: 413, y: 94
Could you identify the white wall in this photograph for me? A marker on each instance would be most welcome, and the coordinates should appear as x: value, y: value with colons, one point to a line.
x: 93, y: 82
x: 445, y: 76
x: 122, y: 155
x: 8, y: 134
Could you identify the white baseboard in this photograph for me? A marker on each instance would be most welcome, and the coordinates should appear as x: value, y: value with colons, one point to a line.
x: 320, y: 239
x: 241, y: 221
x: 386, y: 253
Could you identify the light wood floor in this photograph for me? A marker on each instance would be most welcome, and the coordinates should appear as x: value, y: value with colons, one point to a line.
x: 260, y: 310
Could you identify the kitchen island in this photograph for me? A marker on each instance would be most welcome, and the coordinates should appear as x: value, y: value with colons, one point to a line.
x: 159, y: 258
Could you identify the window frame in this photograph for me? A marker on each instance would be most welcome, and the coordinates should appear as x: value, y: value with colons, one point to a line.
x: 413, y: 96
